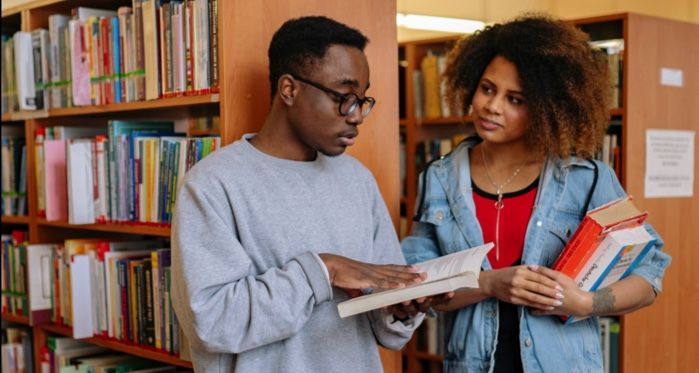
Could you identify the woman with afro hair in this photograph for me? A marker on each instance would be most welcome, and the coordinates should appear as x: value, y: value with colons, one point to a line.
x: 537, y: 95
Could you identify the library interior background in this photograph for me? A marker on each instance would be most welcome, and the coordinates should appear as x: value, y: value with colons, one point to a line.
x: 107, y: 104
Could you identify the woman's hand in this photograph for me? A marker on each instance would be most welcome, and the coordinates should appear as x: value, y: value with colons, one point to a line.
x: 575, y: 302
x: 522, y: 285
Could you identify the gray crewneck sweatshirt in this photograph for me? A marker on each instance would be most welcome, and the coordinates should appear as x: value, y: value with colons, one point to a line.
x: 248, y: 288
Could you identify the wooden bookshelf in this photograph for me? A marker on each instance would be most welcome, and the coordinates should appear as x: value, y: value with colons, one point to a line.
x: 242, y: 103
x: 163, y: 103
x: 660, y: 337
x: 141, y: 351
x: 18, y: 319
x: 130, y: 228
x: 14, y: 219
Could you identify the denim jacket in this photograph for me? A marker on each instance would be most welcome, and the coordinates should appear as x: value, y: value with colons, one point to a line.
x: 446, y: 223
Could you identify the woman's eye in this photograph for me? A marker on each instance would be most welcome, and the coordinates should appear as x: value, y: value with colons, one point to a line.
x: 486, y: 89
x: 516, y: 100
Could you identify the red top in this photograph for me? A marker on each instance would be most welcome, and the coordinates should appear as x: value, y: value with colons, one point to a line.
x: 514, y: 217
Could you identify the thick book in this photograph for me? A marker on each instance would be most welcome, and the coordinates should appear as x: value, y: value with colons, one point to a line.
x: 615, y: 257
x: 596, y: 224
x: 444, y: 274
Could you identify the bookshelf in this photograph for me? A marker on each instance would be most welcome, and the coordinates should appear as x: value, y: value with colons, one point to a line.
x: 650, y: 43
x: 241, y: 103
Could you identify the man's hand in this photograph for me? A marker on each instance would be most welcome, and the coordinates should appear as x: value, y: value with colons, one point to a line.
x: 412, y: 307
x: 350, y: 274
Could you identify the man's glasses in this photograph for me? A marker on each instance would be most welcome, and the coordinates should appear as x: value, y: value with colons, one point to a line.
x: 349, y: 102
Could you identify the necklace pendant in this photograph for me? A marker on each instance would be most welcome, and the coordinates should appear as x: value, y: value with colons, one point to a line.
x: 499, y: 204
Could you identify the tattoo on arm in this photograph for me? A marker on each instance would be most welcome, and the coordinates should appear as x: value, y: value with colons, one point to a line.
x: 603, y: 301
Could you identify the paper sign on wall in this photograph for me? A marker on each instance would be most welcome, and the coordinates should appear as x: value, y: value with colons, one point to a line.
x: 669, y: 163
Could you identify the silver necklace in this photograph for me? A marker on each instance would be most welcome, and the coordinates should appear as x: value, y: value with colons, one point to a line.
x: 498, y: 204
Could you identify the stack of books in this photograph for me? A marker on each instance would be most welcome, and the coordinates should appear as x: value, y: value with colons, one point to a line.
x: 608, y: 245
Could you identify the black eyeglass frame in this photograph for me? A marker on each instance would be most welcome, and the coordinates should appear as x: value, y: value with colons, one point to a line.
x: 343, y: 97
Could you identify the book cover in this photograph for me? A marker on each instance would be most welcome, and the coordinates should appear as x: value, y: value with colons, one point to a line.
x: 596, y: 224
x: 444, y: 274
x: 614, y: 258
x: 56, y: 197
x: 39, y: 260
x: 24, y: 70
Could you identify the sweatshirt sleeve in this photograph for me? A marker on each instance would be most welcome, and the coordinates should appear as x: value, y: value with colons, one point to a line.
x: 389, y: 333
x: 221, y: 306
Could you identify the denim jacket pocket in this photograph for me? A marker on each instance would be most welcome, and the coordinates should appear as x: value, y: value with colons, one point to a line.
x: 438, y: 214
x: 560, y: 230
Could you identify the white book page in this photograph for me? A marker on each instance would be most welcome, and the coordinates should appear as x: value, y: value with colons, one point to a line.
x: 453, y: 264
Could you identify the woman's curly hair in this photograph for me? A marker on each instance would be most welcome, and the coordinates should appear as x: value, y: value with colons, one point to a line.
x: 565, y: 82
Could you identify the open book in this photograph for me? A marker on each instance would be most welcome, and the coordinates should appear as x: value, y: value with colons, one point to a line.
x: 444, y: 274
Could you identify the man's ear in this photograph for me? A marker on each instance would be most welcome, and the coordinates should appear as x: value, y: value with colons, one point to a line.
x: 287, y: 88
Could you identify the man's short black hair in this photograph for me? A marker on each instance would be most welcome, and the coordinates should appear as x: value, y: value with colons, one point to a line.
x: 302, y: 41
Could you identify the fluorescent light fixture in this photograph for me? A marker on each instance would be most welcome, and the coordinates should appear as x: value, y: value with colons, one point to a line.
x: 443, y: 24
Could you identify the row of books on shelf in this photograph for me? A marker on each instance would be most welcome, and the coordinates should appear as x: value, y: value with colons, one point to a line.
x: 14, y: 172
x: 101, y: 56
x: 127, y: 172
x: 118, y: 290
x: 430, y: 90
x: 68, y: 355
x: 14, y: 273
x: 613, y: 52
x: 17, y: 351
x: 610, y: 153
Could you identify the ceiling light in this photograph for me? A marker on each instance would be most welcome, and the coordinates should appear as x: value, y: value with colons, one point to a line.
x: 444, y: 24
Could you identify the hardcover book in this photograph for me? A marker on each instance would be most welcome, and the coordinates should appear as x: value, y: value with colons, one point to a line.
x: 444, y: 274
x: 596, y: 224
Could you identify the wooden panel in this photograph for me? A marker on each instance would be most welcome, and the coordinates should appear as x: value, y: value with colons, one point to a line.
x: 245, y: 94
x: 663, y: 337
x: 245, y: 91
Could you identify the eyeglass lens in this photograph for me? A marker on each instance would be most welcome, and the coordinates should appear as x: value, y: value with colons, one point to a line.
x: 352, y: 102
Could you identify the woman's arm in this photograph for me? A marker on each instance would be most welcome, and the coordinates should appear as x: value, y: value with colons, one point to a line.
x: 624, y: 296
x: 517, y: 285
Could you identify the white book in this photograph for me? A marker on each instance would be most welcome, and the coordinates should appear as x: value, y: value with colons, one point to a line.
x: 24, y: 70
x: 81, y: 291
x: 201, y: 44
x: 40, y: 262
x: 81, y: 209
x: 444, y: 274
x: 613, y: 257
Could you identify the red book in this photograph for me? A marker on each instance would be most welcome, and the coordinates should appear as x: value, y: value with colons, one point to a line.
x: 596, y: 224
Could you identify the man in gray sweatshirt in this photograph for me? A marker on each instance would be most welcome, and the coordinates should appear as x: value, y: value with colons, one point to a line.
x: 273, y: 231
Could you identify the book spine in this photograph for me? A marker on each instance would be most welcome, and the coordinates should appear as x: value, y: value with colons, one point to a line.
x: 149, y: 325
x: 124, y: 315
x: 582, y: 239
x: 213, y: 43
